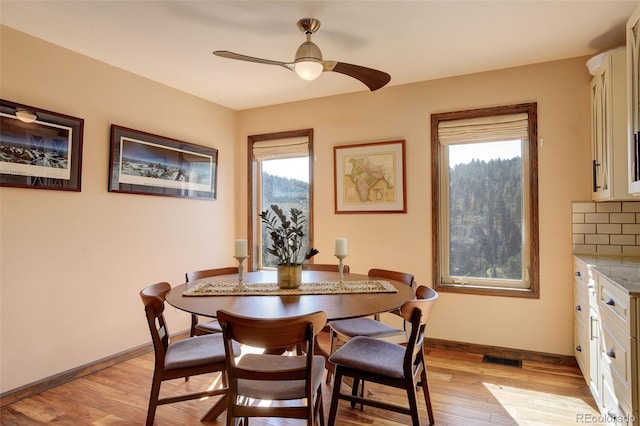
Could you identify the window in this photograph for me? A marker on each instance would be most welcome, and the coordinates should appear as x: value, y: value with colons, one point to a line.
x: 280, y: 172
x: 485, y: 201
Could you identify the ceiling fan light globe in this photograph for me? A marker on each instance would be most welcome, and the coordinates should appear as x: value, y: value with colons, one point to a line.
x: 309, y: 70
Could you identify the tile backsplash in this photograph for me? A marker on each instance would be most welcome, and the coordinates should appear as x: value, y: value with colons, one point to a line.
x: 606, y: 228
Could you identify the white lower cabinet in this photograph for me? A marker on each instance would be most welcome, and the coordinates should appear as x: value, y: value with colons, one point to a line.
x: 595, y: 376
x: 607, y: 347
x: 581, y: 325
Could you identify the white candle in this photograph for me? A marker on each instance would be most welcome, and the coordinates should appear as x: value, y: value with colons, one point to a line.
x: 241, y: 248
x: 341, y: 247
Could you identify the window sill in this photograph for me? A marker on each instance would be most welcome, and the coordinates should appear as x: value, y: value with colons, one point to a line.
x: 526, y: 293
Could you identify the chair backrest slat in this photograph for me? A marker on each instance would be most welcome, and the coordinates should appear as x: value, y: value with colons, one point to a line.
x: 403, y: 277
x: 330, y: 267
x: 271, y: 333
x: 206, y: 273
x: 425, y: 298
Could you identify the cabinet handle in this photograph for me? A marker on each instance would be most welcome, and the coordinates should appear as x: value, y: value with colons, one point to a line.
x: 610, y: 302
x: 595, y: 176
x: 593, y: 329
x: 579, y: 348
x: 578, y: 308
x: 636, y: 156
x: 612, y: 414
x: 611, y: 353
x: 578, y: 274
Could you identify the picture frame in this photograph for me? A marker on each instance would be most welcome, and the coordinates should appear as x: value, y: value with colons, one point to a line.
x: 148, y: 164
x: 370, y: 177
x: 39, y: 148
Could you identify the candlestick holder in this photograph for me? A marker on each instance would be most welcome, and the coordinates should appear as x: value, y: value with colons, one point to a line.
x: 240, y: 260
x: 340, y: 269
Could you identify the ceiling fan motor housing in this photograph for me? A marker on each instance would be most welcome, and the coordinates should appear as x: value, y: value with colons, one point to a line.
x: 308, y: 51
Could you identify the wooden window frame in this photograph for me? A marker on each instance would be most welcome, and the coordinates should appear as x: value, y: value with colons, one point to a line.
x: 253, y: 189
x: 533, y: 291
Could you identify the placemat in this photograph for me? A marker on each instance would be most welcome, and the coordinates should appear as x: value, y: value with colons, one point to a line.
x: 272, y: 289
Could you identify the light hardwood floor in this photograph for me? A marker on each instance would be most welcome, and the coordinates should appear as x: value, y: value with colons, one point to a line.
x: 464, y: 391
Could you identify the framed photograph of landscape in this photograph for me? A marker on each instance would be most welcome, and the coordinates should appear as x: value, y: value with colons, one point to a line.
x: 370, y: 178
x: 143, y: 163
x: 39, y: 148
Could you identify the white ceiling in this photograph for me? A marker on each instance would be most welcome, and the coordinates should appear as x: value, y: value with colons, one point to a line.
x: 171, y: 41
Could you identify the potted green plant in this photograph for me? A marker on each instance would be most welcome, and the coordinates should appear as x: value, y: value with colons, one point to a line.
x: 286, y: 243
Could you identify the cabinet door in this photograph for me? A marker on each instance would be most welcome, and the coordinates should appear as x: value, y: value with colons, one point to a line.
x: 582, y: 343
x: 633, y: 81
x: 609, y: 128
x: 599, y: 135
x: 595, y: 382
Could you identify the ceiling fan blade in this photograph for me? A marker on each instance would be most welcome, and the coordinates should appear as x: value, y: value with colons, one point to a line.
x: 374, y: 79
x: 232, y: 55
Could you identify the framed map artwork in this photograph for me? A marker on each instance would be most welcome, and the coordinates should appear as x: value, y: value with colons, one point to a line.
x: 370, y: 178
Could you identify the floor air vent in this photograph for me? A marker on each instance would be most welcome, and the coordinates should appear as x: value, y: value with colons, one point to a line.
x: 502, y: 361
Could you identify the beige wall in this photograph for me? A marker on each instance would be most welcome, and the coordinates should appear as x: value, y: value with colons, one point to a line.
x: 72, y: 263
x: 403, y: 241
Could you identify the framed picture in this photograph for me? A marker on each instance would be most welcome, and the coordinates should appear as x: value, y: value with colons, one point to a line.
x: 39, y: 148
x: 143, y: 163
x: 369, y: 178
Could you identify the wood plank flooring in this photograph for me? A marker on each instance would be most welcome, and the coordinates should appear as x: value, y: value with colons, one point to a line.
x: 464, y: 391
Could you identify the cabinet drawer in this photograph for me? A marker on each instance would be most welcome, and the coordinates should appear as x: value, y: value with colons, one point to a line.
x: 615, y: 305
x: 615, y: 412
x: 581, y: 271
x: 586, y: 277
x: 581, y: 303
x: 617, y: 356
x: 581, y: 348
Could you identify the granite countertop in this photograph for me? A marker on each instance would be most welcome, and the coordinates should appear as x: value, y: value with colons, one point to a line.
x: 624, y: 271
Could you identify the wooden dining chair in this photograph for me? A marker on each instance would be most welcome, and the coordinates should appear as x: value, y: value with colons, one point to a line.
x: 183, y: 358
x: 341, y: 331
x: 367, y: 359
x: 274, y: 377
x: 197, y: 328
x: 402, y: 277
x: 324, y: 267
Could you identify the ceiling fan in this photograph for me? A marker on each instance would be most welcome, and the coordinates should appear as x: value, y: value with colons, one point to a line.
x: 308, y: 63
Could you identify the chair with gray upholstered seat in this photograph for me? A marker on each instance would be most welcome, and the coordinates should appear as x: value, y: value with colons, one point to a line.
x: 183, y: 358
x: 345, y: 330
x: 257, y: 377
x: 390, y: 364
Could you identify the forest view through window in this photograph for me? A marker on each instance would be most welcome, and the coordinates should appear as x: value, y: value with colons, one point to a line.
x: 485, y: 210
x: 485, y: 201
x: 284, y: 182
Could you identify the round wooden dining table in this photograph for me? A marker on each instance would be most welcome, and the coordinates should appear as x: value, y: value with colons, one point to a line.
x: 336, y: 306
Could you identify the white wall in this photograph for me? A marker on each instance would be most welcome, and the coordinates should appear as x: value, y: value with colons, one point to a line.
x: 403, y: 241
x: 72, y: 263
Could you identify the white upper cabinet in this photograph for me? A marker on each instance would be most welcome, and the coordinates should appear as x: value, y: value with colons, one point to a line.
x: 633, y: 104
x: 609, y: 125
